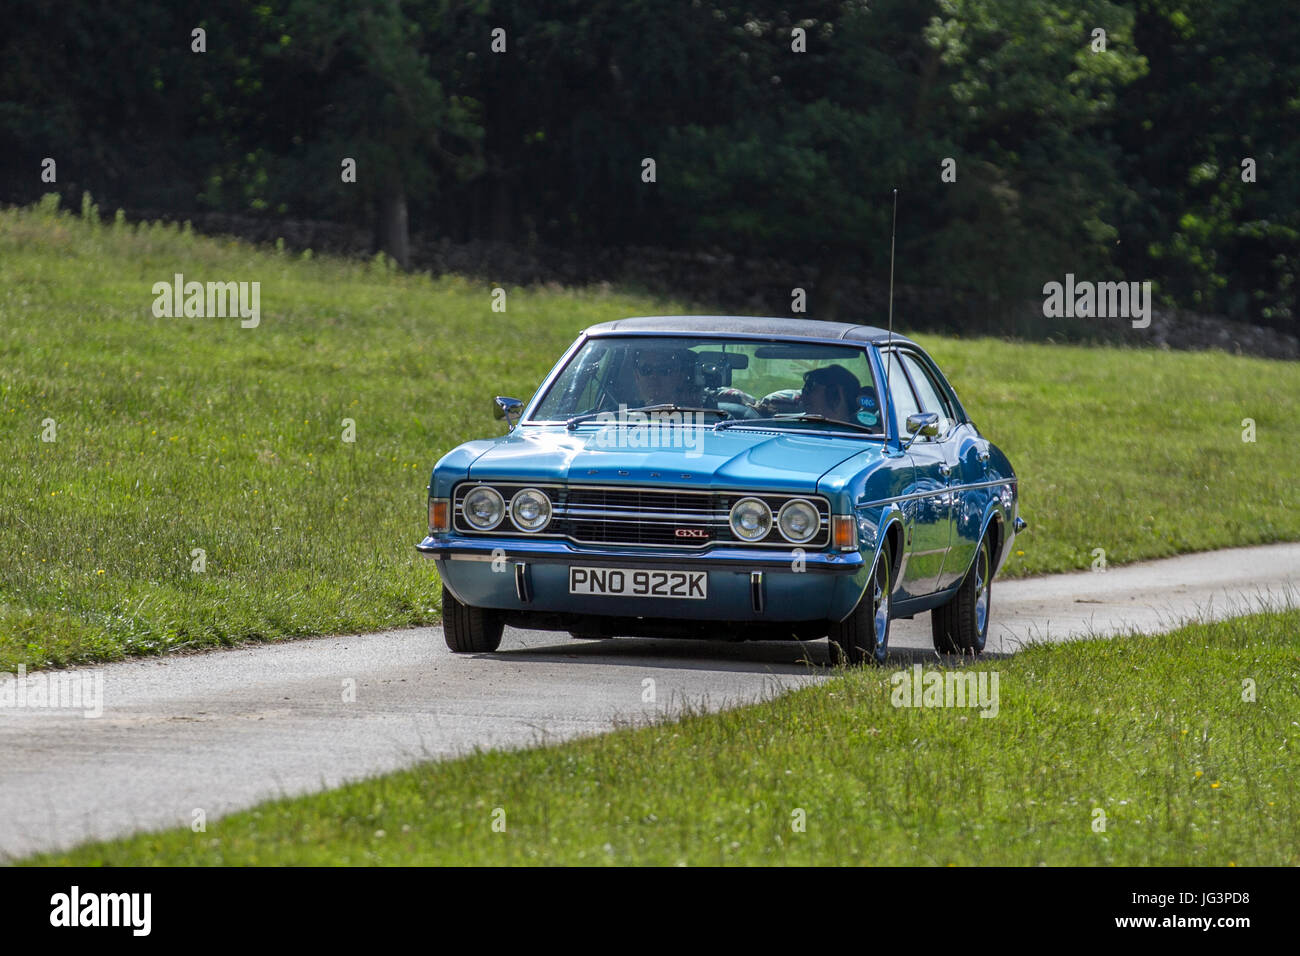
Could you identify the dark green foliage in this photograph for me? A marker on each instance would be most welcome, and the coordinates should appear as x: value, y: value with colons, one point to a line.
x: 1122, y: 163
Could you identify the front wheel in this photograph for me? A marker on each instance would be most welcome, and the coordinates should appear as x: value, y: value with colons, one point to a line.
x: 863, y: 636
x: 469, y: 630
x: 962, y: 625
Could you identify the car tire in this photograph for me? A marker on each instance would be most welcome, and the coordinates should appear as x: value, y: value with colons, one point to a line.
x: 469, y: 630
x: 863, y: 636
x: 962, y: 625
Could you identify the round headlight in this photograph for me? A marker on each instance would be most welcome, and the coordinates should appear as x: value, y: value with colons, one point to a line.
x: 530, y: 510
x: 483, y: 508
x: 751, y: 519
x: 798, y: 521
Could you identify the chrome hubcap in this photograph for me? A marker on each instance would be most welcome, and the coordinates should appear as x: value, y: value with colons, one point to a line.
x: 982, y: 589
x: 880, y: 601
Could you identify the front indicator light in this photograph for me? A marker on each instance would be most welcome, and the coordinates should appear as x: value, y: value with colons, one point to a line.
x: 844, y: 532
x: 439, y: 512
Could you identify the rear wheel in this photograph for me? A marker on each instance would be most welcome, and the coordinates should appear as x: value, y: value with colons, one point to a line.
x: 469, y: 630
x: 863, y: 637
x: 962, y: 625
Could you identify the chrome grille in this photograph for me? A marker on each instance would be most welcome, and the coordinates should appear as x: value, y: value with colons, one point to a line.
x: 599, y: 515
x: 657, y: 517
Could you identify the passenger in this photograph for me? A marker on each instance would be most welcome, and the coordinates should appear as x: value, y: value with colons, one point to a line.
x: 831, y: 391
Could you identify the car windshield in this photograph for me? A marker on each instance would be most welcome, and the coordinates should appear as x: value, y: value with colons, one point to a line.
x: 796, y: 385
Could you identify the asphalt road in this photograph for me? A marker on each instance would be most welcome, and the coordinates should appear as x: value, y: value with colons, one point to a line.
x: 220, y: 731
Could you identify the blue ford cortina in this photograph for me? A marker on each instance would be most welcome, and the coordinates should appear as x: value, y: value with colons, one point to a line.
x: 727, y: 477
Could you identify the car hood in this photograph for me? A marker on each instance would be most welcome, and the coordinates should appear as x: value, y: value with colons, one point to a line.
x: 671, y: 456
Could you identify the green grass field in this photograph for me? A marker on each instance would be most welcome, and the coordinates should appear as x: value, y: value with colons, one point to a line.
x: 175, y: 435
x: 1156, y: 733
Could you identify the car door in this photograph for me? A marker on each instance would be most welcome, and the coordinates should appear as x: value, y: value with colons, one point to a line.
x: 971, y: 495
x: 929, y: 518
x: 952, y: 444
x: 978, y: 484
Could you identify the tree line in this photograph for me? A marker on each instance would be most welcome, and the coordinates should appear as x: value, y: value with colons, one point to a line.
x: 1029, y: 139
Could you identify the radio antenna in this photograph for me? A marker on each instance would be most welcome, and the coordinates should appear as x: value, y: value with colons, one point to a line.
x: 892, y: 231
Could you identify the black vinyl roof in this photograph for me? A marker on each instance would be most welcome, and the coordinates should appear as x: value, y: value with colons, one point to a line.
x: 748, y: 325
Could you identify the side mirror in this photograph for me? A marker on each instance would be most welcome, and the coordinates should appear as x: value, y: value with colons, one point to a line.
x: 503, y: 407
x: 922, y: 423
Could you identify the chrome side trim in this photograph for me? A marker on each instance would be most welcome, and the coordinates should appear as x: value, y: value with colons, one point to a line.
x: 946, y: 489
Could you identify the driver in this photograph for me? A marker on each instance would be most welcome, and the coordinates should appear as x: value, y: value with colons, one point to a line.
x: 665, y: 376
x: 831, y: 391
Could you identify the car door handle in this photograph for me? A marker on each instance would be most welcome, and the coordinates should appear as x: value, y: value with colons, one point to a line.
x: 945, y: 470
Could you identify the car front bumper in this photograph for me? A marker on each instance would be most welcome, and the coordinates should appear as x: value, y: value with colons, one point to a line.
x: 743, y: 584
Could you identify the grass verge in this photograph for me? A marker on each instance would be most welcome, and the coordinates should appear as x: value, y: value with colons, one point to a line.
x: 1183, y: 746
x: 199, y: 489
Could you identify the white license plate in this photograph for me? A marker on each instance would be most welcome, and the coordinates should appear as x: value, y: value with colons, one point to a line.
x: 622, y: 582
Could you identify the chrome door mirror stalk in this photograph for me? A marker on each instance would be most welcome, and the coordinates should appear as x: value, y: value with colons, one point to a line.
x: 503, y: 407
x: 922, y: 423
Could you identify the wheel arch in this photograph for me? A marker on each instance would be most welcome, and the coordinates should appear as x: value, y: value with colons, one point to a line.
x: 995, y: 527
x: 891, y: 523
x: 891, y: 533
x: 994, y: 524
x: 894, y: 537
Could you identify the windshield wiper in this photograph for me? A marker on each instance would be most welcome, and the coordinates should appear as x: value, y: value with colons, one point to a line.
x: 798, y: 417
x: 663, y: 407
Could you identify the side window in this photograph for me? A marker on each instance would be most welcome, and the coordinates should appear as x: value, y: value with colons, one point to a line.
x: 931, y: 398
x: 900, y: 393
